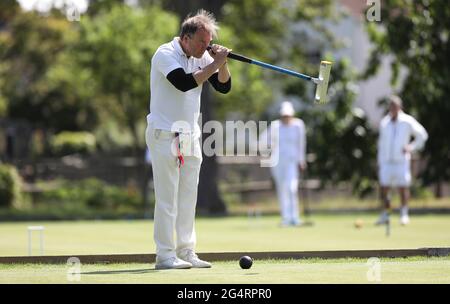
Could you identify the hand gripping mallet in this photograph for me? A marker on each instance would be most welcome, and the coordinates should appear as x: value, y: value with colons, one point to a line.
x: 321, y: 81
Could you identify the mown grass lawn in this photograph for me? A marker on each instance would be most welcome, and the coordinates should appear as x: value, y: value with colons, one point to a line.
x: 357, y: 271
x: 330, y: 232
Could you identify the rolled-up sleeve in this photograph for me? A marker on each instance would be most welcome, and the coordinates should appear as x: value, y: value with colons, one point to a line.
x: 222, y: 87
x: 420, y: 135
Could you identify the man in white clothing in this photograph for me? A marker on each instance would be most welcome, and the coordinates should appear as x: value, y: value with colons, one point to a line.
x: 394, y: 155
x: 178, y: 70
x: 288, y: 151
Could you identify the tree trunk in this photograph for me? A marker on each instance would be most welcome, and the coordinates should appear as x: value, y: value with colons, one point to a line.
x: 208, y: 200
x: 438, y: 189
x: 183, y: 8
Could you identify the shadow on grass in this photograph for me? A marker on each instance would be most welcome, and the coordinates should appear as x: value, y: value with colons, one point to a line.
x: 138, y: 271
x: 128, y: 271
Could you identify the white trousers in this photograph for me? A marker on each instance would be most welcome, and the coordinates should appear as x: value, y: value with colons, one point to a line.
x: 286, y: 177
x: 175, y: 193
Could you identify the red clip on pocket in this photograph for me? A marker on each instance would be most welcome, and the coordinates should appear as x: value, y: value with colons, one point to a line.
x: 179, y: 156
x: 180, y: 160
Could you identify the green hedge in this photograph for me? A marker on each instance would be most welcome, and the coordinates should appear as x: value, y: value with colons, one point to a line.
x: 10, y: 186
x: 73, y: 142
x: 92, y: 194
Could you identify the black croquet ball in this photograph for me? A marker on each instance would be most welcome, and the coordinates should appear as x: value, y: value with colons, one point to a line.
x: 245, y: 262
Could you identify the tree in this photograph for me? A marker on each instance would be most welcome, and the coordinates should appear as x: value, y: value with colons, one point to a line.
x: 8, y: 9
x: 416, y: 35
x: 38, y: 78
x: 116, y: 47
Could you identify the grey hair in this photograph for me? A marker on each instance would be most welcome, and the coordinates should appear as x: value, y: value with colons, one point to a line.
x: 202, y: 20
x: 394, y: 99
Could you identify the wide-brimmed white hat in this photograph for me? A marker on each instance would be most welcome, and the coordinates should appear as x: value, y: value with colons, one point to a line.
x: 287, y: 109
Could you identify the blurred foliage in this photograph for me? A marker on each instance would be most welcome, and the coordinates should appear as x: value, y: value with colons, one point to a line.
x: 8, y: 9
x: 92, y: 193
x: 340, y: 137
x: 102, y: 6
x: 66, y: 142
x: 416, y: 34
x: 10, y: 187
x: 63, y: 75
x: 3, y: 105
x: 250, y: 94
x: 116, y: 46
x: 37, y: 144
x: 418, y: 191
x: 39, y: 76
x: 110, y: 137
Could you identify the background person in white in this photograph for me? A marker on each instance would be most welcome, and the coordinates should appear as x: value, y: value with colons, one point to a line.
x: 178, y: 70
x: 288, y: 151
x: 394, y: 155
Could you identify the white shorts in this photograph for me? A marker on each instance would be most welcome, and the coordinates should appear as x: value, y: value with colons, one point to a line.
x: 395, y: 174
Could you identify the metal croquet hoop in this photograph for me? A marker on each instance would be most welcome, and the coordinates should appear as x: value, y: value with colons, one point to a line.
x: 388, y: 225
x: 41, y: 238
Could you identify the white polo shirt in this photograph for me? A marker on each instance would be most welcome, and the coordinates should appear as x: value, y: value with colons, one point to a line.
x: 169, y: 105
x: 395, y: 135
x: 289, y: 144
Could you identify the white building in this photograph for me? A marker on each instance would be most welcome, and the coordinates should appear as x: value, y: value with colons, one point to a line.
x: 357, y: 48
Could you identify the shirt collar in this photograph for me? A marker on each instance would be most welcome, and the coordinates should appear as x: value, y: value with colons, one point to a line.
x: 177, y: 46
x: 400, y: 116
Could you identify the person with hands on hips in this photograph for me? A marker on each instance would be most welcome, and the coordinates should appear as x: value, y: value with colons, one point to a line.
x: 397, y: 129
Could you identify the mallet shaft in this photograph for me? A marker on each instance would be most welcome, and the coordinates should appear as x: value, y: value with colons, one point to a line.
x: 267, y: 66
x: 281, y: 70
x: 321, y: 81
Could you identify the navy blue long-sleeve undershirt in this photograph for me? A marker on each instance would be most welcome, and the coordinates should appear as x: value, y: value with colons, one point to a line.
x: 185, y: 82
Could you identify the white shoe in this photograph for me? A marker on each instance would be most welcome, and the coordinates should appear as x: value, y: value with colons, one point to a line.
x: 285, y: 223
x: 296, y: 223
x: 404, y: 219
x: 193, y: 259
x: 172, y: 263
x: 383, y: 219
